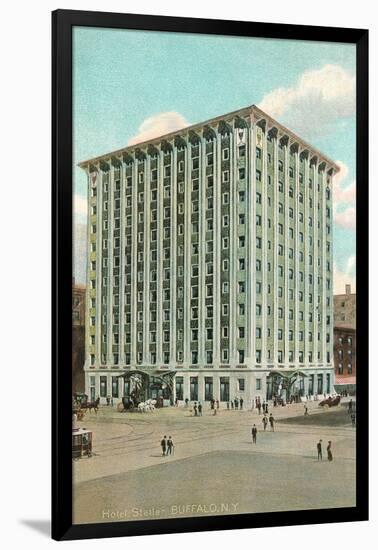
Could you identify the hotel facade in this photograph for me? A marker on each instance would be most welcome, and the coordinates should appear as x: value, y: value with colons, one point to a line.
x: 210, y: 258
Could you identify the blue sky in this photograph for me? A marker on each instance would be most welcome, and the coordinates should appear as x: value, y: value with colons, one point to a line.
x: 132, y: 83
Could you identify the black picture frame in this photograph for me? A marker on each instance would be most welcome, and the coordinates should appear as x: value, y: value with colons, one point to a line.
x: 62, y: 23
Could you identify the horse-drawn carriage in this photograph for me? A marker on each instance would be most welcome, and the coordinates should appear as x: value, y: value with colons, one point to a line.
x: 81, y: 443
x: 80, y: 405
x: 331, y: 401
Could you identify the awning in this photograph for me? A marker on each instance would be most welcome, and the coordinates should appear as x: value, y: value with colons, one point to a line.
x: 156, y: 372
x: 345, y: 380
x: 287, y: 373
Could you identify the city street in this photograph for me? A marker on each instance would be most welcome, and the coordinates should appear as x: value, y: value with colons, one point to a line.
x: 215, y: 468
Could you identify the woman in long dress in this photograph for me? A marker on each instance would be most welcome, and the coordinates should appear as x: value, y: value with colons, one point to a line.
x: 329, y: 452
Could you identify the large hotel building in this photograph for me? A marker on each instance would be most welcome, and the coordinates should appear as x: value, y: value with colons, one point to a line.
x: 210, y: 258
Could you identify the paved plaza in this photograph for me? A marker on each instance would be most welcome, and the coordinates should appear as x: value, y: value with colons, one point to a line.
x: 215, y: 468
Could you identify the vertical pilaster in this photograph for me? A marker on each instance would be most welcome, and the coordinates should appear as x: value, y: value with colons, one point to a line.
x: 275, y: 254
x: 122, y: 244
x: 217, y: 249
x: 173, y: 261
x: 134, y: 258
x: 323, y: 241
x: 99, y: 236
x: 286, y: 256
x: 264, y: 222
x: 187, y: 255
x: 159, y: 270
x: 146, y: 260
x: 316, y: 306
x: 307, y: 345
x: 109, y: 343
x: 251, y: 218
x: 233, y: 264
x: 201, y: 255
x: 296, y: 256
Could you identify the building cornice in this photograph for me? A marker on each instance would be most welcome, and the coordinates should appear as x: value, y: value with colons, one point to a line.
x: 252, y: 113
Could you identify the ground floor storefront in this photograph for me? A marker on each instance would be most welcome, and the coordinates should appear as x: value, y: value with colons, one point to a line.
x: 181, y: 386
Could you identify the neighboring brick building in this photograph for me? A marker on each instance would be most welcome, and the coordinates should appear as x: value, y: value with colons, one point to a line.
x: 78, y: 337
x: 344, y: 309
x: 344, y: 341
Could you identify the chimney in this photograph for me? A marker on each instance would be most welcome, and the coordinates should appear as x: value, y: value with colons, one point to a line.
x: 347, y: 289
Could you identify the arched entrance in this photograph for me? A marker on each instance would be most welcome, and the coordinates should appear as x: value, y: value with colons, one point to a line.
x: 140, y: 385
x: 285, y: 384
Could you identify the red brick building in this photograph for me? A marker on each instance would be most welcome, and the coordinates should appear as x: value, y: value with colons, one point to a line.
x: 344, y: 341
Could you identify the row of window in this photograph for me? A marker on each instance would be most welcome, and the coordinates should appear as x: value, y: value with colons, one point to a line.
x: 209, y: 357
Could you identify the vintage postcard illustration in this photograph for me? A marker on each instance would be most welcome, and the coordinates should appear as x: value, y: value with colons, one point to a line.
x: 214, y: 301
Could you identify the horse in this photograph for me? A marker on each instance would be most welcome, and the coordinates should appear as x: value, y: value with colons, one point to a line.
x: 147, y: 406
x: 91, y: 405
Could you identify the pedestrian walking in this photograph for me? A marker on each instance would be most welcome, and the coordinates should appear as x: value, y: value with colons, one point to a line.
x: 232, y: 405
x: 353, y: 419
x: 199, y: 408
x: 329, y: 452
x: 254, y: 433
x: 305, y: 410
x: 271, y: 421
x: 170, y: 446
x: 195, y: 409
x: 241, y: 403
x: 217, y: 402
x: 259, y: 407
x: 350, y: 406
x: 236, y: 402
x: 163, y: 444
x: 319, y: 449
x: 265, y: 422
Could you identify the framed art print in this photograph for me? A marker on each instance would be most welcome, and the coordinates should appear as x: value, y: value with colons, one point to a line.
x: 210, y: 208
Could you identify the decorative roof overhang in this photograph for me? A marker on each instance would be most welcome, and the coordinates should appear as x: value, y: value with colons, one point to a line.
x: 209, y: 133
x: 240, y: 122
x: 180, y: 142
x: 127, y: 158
x: 139, y: 154
x: 224, y: 128
x: 194, y: 138
x: 116, y: 162
x: 104, y: 165
x: 152, y: 150
x: 284, y: 139
x: 273, y: 132
x: 166, y: 146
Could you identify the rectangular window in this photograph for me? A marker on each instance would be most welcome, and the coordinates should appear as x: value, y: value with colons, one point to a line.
x: 103, y: 386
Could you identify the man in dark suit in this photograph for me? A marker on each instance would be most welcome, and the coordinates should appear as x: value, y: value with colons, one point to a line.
x: 254, y: 433
x: 163, y: 444
x: 319, y: 448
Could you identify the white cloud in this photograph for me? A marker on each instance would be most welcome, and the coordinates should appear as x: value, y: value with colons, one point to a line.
x: 342, y: 194
x: 158, y: 125
x: 346, y: 219
x: 315, y: 102
x: 80, y: 206
x: 344, y: 199
x: 345, y: 277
